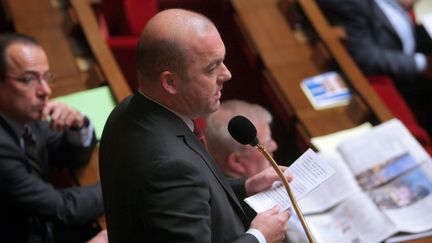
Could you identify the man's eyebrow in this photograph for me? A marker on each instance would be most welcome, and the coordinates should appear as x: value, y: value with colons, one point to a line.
x: 30, y: 72
x: 36, y: 73
x: 215, y: 62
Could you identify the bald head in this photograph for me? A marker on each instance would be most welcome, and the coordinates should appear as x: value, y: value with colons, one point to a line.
x: 163, y: 43
x: 177, y: 24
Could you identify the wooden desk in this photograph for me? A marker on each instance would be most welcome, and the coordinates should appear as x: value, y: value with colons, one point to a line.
x: 332, y: 38
x: 111, y: 73
x: 289, y: 59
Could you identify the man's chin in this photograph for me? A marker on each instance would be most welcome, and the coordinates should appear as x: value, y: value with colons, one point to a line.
x: 214, y: 108
x: 37, y: 117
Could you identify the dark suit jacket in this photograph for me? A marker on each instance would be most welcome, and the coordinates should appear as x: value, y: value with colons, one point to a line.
x: 160, y: 184
x: 30, y: 204
x: 372, y: 40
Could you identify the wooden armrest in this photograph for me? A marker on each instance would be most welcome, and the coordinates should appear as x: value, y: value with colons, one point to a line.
x: 339, y: 32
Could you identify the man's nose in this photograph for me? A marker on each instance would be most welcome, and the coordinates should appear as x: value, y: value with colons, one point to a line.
x: 226, y: 74
x: 44, y: 89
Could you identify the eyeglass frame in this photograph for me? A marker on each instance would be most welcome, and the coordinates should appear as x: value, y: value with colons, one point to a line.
x: 35, y: 79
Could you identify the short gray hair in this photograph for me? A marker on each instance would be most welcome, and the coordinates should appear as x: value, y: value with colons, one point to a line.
x: 220, y: 142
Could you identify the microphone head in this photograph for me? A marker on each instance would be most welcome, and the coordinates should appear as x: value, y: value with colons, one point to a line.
x: 243, y: 131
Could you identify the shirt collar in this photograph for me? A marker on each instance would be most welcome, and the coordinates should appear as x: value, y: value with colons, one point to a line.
x: 184, y: 118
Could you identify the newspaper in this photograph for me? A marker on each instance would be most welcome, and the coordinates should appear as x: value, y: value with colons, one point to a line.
x: 382, y: 185
x: 356, y: 219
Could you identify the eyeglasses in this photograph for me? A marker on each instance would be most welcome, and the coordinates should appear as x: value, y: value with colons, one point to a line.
x: 33, y: 79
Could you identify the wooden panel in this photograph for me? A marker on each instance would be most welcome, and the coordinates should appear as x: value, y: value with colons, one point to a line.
x: 100, y: 49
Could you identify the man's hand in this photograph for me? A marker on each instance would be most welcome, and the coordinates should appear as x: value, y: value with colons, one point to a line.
x: 263, y: 180
x: 271, y: 224
x: 63, y: 117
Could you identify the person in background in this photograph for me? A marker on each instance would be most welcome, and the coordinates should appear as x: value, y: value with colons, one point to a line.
x: 36, y: 135
x: 159, y: 182
x: 243, y: 161
x: 381, y: 36
x: 383, y: 39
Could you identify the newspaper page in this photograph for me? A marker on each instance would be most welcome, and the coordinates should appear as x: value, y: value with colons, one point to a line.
x: 331, y: 192
x: 357, y: 220
x: 308, y: 172
x: 407, y: 200
x: 381, y: 154
x: 394, y: 176
x: 399, y: 238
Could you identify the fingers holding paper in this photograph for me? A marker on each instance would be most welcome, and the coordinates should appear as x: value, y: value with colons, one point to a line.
x: 271, y: 224
x: 265, y: 179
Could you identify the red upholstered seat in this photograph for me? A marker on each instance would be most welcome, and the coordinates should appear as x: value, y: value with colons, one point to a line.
x: 128, y: 17
x: 386, y: 89
x: 124, y: 21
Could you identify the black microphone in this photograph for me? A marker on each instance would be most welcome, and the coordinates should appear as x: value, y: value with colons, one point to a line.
x: 244, y: 132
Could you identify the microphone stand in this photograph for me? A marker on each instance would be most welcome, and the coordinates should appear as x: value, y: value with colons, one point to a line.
x: 288, y: 189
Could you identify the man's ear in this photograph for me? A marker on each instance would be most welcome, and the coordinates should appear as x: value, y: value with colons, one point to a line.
x: 236, y: 163
x: 168, y: 81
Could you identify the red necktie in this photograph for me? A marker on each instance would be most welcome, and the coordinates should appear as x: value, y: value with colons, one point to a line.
x: 199, y: 133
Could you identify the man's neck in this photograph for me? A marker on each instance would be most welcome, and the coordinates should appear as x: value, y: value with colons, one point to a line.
x: 185, y: 118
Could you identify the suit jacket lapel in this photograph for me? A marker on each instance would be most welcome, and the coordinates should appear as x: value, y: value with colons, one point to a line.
x: 9, y: 129
x: 196, y: 146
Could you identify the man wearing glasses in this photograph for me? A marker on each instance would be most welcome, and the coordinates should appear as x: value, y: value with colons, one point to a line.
x: 36, y: 134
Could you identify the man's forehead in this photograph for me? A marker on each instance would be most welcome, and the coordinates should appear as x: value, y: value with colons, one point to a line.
x: 23, y: 56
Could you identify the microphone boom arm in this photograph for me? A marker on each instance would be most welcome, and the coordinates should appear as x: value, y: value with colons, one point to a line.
x: 288, y: 189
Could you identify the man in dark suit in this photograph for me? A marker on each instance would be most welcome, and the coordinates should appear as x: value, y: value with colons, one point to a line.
x: 31, y: 208
x: 159, y: 182
x: 376, y: 45
x: 383, y: 40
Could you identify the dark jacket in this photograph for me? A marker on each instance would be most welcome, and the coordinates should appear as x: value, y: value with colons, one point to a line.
x: 30, y: 205
x: 372, y: 40
x: 160, y: 184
